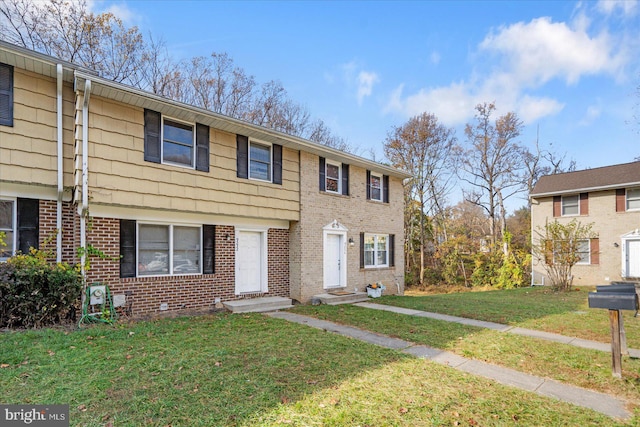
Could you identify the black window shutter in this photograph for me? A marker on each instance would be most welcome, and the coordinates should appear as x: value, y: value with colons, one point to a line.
x: 368, y: 185
x: 322, y: 182
x: 385, y: 188
x: 6, y: 95
x: 242, y: 156
x: 202, y: 147
x: 28, y: 224
x: 152, y: 123
x: 345, y: 179
x: 277, y: 164
x: 208, y: 249
x: 361, y: 250
x: 127, y: 248
x: 392, y: 250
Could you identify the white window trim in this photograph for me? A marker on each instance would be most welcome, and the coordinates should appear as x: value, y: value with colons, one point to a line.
x: 193, y: 133
x: 375, y: 250
x: 266, y: 144
x: 170, y: 261
x: 14, y: 225
x: 588, y: 260
x: 626, y: 199
x: 380, y: 176
x: 326, y: 176
x: 562, y: 205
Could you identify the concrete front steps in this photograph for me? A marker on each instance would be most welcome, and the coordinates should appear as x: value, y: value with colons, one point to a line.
x: 335, y: 298
x: 256, y: 305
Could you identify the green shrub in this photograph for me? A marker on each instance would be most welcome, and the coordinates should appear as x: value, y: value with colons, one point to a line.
x: 35, y: 293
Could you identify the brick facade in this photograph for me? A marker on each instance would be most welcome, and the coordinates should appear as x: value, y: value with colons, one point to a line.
x: 608, y: 225
x: 357, y: 215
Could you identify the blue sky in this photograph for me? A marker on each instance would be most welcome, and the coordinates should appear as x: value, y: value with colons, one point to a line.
x: 569, y: 69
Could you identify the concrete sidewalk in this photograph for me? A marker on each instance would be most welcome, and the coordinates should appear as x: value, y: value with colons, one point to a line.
x: 578, y: 342
x: 600, y: 402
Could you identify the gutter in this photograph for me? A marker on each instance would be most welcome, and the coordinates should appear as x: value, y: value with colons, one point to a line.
x: 585, y: 189
x: 60, y: 164
x: 103, y: 86
x: 84, y: 204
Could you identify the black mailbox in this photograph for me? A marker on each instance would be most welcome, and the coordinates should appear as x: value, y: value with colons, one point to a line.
x: 619, y: 296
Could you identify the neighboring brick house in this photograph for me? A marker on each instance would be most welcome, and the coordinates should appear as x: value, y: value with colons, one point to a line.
x: 607, y: 197
x: 190, y: 207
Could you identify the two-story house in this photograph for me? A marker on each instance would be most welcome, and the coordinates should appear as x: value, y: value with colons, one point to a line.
x: 189, y: 208
x: 609, y: 199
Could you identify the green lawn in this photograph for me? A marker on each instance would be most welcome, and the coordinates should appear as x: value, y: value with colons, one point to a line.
x: 573, y: 365
x: 247, y: 370
x: 565, y: 313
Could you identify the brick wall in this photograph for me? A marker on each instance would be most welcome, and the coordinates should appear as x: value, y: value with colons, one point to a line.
x: 187, y: 292
x: 354, y: 212
x: 609, y: 226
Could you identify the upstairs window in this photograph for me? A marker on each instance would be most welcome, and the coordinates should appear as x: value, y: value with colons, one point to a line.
x: 169, y: 141
x: 177, y: 143
x: 259, y: 161
x: 633, y: 199
x: 375, y: 183
x: 377, y: 187
x: 570, y: 205
x: 6, y: 95
x: 334, y: 177
x: 573, y: 205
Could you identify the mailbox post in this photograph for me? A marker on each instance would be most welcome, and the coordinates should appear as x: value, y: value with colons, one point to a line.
x: 616, y: 297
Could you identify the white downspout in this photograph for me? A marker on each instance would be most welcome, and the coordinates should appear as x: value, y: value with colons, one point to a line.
x: 60, y: 166
x: 84, y: 207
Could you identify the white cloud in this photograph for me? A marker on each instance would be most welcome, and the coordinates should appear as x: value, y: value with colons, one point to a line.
x: 541, y: 50
x: 592, y: 113
x: 435, y: 57
x: 365, y: 81
x: 518, y: 60
x: 531, y: 108
x: 626, y: 7
x: 450, y: 104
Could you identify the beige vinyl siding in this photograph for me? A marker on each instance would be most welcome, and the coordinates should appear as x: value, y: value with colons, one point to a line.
x: 119, y: 175
x: 28, y: 150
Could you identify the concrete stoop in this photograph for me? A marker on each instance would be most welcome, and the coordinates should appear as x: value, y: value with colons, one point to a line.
x: 344, y: 298
x: 258, y: 305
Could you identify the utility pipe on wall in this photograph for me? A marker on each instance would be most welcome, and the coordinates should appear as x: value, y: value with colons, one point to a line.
x: 84, y: 206
x: 60, y: 164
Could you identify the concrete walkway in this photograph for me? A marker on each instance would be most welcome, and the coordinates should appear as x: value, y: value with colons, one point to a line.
x: 600, y: 402
x: 578, y: 342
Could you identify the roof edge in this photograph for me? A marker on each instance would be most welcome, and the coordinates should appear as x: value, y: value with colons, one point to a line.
x: 585, y: 190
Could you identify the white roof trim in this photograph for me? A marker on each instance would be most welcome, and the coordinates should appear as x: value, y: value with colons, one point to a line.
x: 586, y: 189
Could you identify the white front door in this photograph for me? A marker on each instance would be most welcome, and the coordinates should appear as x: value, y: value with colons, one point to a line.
x: 633, y: 258
x: 249, y: 262
x: 334, y: 263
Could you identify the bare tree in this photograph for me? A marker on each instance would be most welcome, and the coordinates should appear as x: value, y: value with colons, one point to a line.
x: 101, y: 42
x: 423, y: 147
x: 69, y: 31
x: 492, y: 163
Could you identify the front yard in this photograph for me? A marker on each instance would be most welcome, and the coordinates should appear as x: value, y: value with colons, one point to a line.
x: 247, y: 370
